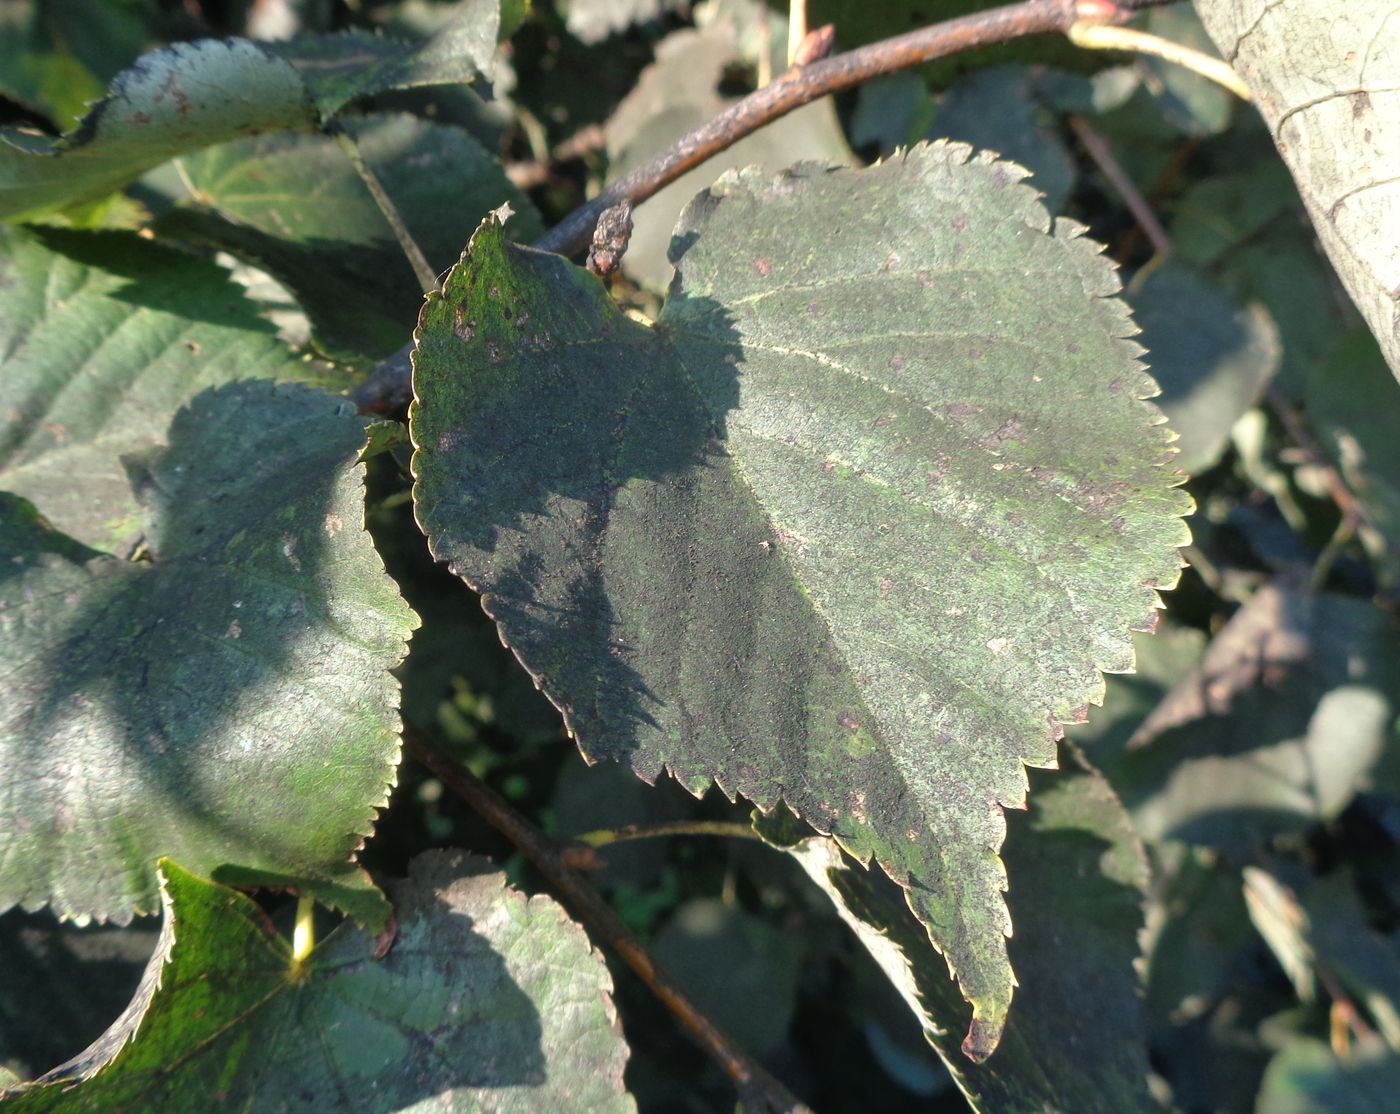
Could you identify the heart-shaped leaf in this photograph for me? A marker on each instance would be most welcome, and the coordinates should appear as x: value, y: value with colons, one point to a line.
x: 856, y: 525
x: 228, y: 700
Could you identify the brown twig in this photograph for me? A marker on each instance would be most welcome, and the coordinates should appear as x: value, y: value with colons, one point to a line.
x: 1096, y: 147
x: 388, y: 389
x: 752, y: 1081
x: 803, y: 84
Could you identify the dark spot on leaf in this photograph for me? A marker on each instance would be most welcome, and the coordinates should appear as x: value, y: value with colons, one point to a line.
x: 1016, y: 520
x: 923, y: 278
x: 495, y: 292
x: 897, y: 362
x: 882, y: 421
x: 891, y: 261
x: 886, y: 586
x: 1042, y: 475
x: 494, y: 353
x: 463, y: 330
x: 849, y: 722
x: 1009, y: 430
x: 763, y: 267
x: 1117, y: 525
x: 1072, y: 347
x: 974, y: 353
x: 828, y: 467
x: 1360, y: 103
x: 961, y: 411
x: 1116, y: 386
x: 192, y: 346
x: 960, y: 224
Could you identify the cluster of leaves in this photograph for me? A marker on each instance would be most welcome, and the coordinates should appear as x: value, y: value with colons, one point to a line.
x: 841, y: 499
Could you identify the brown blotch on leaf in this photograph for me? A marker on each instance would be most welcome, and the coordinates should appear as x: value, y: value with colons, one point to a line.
x: 849, y: 722
x: 898, y: 363
x: 763, y: 267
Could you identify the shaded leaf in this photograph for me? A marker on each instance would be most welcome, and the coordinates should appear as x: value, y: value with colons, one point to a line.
x: 1076, y: 1038
x: 103, y: 337
x: 1353, y: 406
x: 195, y: 95
x: 1212, y: 359
x: 229, y: 700
x: 1195, y: 104
x: 1327, y: 81
x: 855, y: 526
x: 1307, y: 1078
x: 488, y: 1000
x: 753, y: 1000
x: 676, y: 94
x: 294, y: 206
x: 1287, y: 715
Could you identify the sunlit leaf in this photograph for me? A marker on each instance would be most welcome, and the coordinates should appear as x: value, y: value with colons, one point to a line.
x: 855, y: 525
x: 229, y: 699
x: 102, y: 339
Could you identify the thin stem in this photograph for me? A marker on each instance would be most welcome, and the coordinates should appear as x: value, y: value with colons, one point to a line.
x: 388, y: 389
x: 749, y: 1077
x: 1098, y: 150
x: 427, y: 277
x: 1095, y: 36
x: 605, y: 836
x: 804, y: 84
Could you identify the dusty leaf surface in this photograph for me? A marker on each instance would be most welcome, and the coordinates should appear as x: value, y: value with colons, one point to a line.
x: 856, y: 525
x: 228, y: 699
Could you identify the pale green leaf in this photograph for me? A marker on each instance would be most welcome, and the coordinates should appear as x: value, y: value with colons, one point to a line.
x: 1306, y: 1077
x: 856, y: 525
x: 488, y: 1000
x: 228, y: 700
x: 103, y: 337
x: 194, y: 95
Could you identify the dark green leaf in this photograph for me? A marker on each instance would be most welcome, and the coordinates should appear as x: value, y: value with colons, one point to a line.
x: 103, y: 337
x: 1307, y: 1078
x: 855, y: 526
x: 1076, y: 1039
x: 229, y: 700
x: 487, y: 1000
x: 996, y: 109
x: 1285, y: 717
x: 342, y: 68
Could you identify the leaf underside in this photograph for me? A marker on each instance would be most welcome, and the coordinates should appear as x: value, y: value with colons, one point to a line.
x: 487, y: 1000
x: 855, y: 525
x: 228, y: 700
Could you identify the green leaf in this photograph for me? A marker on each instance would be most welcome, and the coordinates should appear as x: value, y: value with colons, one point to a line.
x: 681, y: 91
x: 1287, y: 715
x: 294, y: 206
x: 1077, y: 878
x: 855, y: 526
x: 342, y: 68
x: 194, y: 95
x: 103, y: 337
x: 229, y: 700
x: 1307, y: 1078
x: 997, y: 109
x: 1353, y: 406
x: 487, y: 1000
x: 57, y: 55
x: 1210, y: 373
x: 174, y: 100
